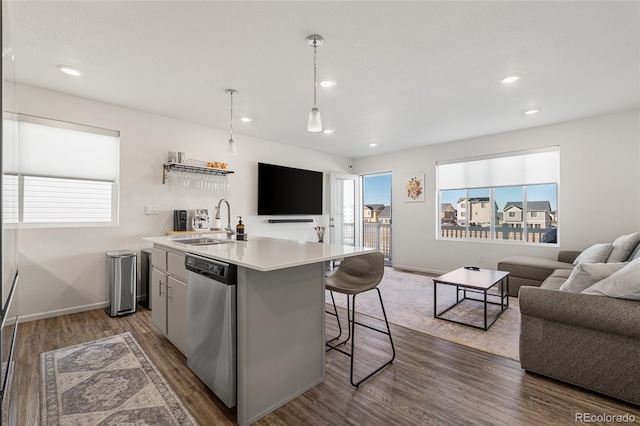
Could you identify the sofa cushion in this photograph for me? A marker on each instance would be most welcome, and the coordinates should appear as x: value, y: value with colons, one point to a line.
x: 635, y: 254
x: 623, y: 284
x: 597, y: 253
x: 533, y: 268
x: 586, y: 274
x: 623, y: 246
x: 556, y: 279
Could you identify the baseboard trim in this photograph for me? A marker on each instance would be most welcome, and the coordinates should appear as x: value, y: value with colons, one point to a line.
x: 418, y: 270
x: 65, y: 311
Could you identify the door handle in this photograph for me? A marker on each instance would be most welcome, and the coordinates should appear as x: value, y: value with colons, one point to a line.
x: 168, y: 291
x: 160, y: 288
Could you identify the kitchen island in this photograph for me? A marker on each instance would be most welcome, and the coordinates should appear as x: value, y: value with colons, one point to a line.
x: 280, y: 315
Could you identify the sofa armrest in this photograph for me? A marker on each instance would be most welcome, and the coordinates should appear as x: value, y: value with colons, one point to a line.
x: 600, y: 313
x: 568, y: 256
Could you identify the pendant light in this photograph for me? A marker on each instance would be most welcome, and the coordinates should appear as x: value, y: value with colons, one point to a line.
x: 232, y: 144
x: 315, y: 121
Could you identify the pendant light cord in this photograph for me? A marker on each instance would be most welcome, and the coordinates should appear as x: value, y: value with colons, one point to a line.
x: 231, y: 119
x: 315, y: 81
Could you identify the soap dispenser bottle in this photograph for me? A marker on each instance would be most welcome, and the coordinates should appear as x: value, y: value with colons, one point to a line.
x: 240, y: 229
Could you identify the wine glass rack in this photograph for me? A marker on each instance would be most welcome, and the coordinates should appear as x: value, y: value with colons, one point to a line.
x: 181, y: 167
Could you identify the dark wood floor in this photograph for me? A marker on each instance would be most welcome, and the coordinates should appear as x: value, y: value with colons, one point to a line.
x: 432, y: 381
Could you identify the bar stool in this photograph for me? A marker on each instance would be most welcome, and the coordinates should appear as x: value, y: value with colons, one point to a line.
x: 355, y: 275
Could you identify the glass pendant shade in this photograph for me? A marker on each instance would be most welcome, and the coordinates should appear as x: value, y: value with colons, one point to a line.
x: 315, y: 121
x: 232, y: 147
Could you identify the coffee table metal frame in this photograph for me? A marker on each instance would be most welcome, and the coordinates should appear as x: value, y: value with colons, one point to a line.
x: 475, y: 282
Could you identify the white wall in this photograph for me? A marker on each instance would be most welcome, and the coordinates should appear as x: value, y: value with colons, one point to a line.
x: 599, y: 191
x: 62, y: 270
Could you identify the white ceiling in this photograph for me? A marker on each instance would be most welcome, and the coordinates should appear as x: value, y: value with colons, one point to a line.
x: 409, y: 73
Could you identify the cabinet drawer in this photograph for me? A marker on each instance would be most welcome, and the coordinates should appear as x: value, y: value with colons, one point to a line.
x: 175, y: 263
x: 159, y: 259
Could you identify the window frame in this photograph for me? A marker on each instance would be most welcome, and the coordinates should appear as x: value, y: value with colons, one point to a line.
x: 115, y: 183
x: 525, y: 225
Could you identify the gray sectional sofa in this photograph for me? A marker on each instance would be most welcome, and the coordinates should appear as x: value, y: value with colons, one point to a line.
x: 591, y: 341
x: 533, y: 271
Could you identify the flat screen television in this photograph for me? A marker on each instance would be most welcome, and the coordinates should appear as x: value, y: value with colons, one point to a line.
x: 288, y: 191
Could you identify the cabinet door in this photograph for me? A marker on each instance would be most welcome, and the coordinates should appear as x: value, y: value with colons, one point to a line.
x: 158, y: 289
x: 175, y: 266
x: 159, y: 259
x: 177, y: 313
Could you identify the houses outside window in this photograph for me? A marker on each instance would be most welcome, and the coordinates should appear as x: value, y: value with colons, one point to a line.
x: 510, y: 197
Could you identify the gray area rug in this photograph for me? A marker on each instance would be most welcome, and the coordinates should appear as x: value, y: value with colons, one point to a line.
x: 408, y: 300
x: 110, y: 381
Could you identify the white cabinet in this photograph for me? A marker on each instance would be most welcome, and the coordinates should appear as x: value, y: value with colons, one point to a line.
x: 177, y: 313
x: 159, y: 300
x: 169, y: 296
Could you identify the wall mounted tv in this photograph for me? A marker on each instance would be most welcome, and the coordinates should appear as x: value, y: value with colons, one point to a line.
x: 288, y: 191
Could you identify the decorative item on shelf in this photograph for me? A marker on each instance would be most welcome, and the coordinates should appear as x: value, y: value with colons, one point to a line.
x: 320, y: 232
x: 315, y: 121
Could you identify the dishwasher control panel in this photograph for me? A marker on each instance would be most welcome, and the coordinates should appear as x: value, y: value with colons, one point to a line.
x: 219, y: 271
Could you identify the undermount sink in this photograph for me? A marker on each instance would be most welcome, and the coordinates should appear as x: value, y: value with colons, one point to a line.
x: 203, y: 241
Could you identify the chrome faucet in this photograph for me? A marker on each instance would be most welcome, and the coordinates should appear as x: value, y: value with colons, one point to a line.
x: 229, y: 229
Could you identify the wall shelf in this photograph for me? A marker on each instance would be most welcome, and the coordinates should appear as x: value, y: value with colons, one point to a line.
x: 181, y: 167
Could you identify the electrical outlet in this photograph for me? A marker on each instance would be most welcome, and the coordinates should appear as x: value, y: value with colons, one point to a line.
x: 155, y: 209
x: 147, y: 210
x: 481, y: 259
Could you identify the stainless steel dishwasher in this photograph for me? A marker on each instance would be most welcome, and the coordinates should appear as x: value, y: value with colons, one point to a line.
x: 211, y: 324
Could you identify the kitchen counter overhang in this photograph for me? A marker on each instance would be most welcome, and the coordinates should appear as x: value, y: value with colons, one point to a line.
x: 264, y: 253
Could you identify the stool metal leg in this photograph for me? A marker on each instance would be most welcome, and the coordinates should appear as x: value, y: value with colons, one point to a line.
x: 334, y: 313
x: 353, y: 331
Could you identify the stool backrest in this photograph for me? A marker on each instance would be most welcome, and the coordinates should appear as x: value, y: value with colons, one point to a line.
x: 367, y: 269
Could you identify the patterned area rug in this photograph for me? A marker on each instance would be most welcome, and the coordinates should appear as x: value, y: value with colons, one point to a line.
x: 109, y: 381
x: 408, y: 300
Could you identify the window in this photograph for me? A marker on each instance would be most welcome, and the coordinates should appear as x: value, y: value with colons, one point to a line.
x: 68, y: 174
x: 509, y: 197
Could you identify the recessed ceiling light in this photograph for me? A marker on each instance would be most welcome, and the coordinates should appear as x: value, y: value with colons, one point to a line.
x: 329, y: 131
x: 327, y: 83
x: 509, y: 78
x: 70, y: 70
x: 372, y: 144
x: 246, y: 119
x: 532, y: 111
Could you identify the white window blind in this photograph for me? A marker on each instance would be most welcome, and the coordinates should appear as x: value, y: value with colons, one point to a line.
x: 48, y: 150
x: 68, y: 173
x: 523, y: 168
x: 55, y: 200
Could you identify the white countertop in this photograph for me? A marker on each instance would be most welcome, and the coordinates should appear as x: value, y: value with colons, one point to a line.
x: 264, y: 253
